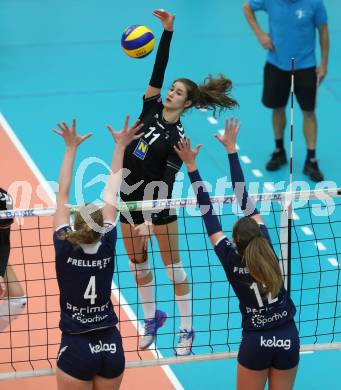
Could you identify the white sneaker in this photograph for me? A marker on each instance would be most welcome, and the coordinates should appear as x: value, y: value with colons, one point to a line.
x: 184, y: 346
x: 150, y: 329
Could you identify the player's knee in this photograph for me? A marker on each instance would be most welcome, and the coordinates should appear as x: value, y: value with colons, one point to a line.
x: 176, y: 272
x: 309, y: 114
x: 138, y: 269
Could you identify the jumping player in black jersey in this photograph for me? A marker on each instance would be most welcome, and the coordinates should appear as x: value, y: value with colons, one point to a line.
x: 11, y: 292
x: 270, y: 344
x: 91, y: 353
x: 153, y: 165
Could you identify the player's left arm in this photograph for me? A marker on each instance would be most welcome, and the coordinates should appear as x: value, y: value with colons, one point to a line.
x: 322, y: 69
x: 162, y: 55
x: 320, y: 18
x: 188, y: 155
x: 72, y: 141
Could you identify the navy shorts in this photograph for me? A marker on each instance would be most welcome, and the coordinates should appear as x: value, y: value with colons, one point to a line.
x: 278, y: 348
x: 277, y: 83
x: 86, y: 355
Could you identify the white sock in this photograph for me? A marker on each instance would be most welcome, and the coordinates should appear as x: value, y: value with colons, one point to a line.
x: 10, y: 308
x: 185, y: 310
x: 146, y: 293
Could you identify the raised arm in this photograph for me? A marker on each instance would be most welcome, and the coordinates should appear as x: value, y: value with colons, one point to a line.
x: 72, y: 141
x: 122, y: 140
x: 162, y: 54
x: 228, y: 139
x: 187, y: 155
x: 263, y: 38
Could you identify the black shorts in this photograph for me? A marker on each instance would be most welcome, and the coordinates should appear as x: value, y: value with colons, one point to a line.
x: 277, y: 83
x: 5, y: 245
x: 83, y: 356
x: 162, y: 217
x: 278, y: 348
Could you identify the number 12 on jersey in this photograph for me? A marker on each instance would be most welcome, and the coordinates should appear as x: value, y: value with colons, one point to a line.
x: 90, y: 291
x: 254, y: 287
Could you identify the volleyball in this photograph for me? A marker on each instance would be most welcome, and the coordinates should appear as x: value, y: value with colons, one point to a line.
x: 137, y: 41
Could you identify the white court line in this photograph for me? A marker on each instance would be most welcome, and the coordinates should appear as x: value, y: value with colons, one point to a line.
x: 306, y: 352
x: 320, y: 246
x: 21, y: 149
x: 306, y: 230
x: 203, y: 109
x: 118, y: 295
x: 212, y: 120
x: 245, y: 159
x: 132, y: 316
x: 269, y: 186
x: 257, y: 172
x: 333, y: 261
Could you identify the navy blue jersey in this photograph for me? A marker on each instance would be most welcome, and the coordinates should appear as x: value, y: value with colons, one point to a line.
x: 84, y: 276
x: 258, y: 312
x: 152, y: 157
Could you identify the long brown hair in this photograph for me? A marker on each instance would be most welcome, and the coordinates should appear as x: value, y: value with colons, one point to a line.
x: 212, y: 94
x: 88, y: 223
x: 258, y: 255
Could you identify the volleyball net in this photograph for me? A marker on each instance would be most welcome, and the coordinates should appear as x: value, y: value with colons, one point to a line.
x: 29, y: 345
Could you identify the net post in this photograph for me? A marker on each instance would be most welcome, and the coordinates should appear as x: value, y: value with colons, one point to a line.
x: 284, y: 241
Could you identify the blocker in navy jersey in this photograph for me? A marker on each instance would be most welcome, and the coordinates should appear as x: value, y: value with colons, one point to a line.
x: 87, y: 355
x: 84, y: 281
x: 152, y: 157
x: 258, y: 312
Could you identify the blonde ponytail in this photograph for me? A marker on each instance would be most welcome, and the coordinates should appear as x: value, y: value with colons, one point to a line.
x: 88, y: 223
x: 263, y: 266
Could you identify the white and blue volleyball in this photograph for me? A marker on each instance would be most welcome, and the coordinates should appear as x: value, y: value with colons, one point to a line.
x: 137, y: 41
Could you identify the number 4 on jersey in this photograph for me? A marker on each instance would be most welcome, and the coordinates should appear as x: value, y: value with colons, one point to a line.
x: 90, y: 292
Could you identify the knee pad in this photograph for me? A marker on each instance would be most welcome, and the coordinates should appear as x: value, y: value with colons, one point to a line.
x: 139, y: 270
x: 176, y: 272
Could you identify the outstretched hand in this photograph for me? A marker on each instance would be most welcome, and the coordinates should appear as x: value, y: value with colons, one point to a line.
x: 70, y: 136
x: 187, y: 154
x: 167, y: 19
x: 228, y: 139
x: 127, y: 134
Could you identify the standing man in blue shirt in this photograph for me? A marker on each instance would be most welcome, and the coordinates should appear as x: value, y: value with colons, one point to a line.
x: 292, y: 25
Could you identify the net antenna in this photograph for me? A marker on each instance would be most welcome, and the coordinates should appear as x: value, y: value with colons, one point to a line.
x: 287, y: 214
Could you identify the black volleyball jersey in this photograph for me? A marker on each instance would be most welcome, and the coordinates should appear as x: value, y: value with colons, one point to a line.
x: 84, y: 276
x: 152, y: 157
x: 258, y: 312
x: 6, y: 204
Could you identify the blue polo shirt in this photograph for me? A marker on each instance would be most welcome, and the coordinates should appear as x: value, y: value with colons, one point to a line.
x: 292, y: 27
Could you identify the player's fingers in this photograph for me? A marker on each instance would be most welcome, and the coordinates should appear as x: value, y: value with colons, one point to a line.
x: 57, y: 132
x: 86, y: 136
x: 126, y: 122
